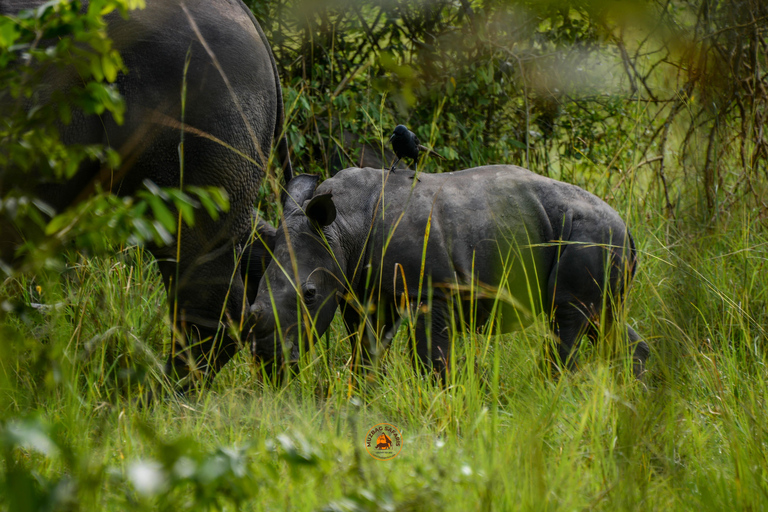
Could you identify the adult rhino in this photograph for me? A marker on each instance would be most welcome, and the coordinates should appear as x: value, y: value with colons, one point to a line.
x: 233, y: 114
x: 358, y: 240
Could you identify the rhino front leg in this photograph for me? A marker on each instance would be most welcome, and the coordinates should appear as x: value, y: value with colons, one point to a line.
x: 353, y: 322
x: 433, y: 340
x: 371, y: 336
x: 209, y: 295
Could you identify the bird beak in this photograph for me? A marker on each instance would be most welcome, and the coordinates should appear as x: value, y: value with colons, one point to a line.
x: 391, y: 137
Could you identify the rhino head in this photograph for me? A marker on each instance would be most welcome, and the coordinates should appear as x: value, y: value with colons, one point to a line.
x: 298, y: 294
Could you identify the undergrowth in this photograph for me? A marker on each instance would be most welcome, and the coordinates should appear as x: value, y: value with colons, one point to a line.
x: 504, y: 435
x: 79, y: 346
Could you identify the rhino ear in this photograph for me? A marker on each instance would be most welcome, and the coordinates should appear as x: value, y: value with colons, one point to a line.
x: 299, y: 189
x: 321, y: 210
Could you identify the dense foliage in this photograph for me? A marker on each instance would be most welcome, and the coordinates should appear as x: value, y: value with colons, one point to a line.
x: 542, y: 84
x: 36, y: 47
x: 658, y: 106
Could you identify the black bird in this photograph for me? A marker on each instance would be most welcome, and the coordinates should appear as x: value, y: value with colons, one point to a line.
x: 406, y: 144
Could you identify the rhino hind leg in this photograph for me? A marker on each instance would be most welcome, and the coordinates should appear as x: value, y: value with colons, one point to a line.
x: 569, y: 325
x: 576, y: 291
x: 640, y: 352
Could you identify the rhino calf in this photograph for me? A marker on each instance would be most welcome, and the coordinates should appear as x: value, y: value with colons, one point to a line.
x: 494, y: 239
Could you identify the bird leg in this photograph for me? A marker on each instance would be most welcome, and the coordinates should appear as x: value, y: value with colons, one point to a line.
x: 392, y: 169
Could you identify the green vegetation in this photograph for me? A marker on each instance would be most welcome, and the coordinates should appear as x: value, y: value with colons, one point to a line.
x: 78, y: 345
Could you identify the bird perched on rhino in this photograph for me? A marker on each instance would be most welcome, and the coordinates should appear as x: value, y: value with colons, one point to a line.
x: 406, y: 144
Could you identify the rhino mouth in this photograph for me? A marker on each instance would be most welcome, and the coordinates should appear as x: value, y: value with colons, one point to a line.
x: 274, y: 348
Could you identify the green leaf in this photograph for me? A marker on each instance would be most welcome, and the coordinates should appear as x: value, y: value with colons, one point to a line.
x: 155, y: 190
x: 162, y: 236
x: 220, y: 197
x: 207, y: 201
x: 162, y: 213
x: 58, y: 223
x: 110, y: 68
x: 9, y: 32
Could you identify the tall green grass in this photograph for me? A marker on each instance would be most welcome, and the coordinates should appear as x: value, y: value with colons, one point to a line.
x: 502, y: 435
x: 691, y: 435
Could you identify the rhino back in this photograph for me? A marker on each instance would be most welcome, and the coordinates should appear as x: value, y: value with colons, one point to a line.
x: 231, y: 108
x: 481, y: 221
x: 231, y: 101
x: 474, y: 217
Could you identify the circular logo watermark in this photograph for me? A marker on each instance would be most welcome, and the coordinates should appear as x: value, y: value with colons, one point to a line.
x: 384, y: 441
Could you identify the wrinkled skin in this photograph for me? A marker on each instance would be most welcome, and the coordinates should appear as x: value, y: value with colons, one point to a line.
x: 230, y: 128
x: 554, y: 247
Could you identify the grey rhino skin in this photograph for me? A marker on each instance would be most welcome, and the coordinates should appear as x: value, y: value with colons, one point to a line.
x: 551, y: 245
x: 230, y: 128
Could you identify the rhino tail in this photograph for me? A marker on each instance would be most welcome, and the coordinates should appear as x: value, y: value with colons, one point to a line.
x: 280, y: 137
x: 629, y: 265
x: 632, y: 256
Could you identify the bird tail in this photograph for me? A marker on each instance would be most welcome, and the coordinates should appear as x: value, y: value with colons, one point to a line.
x: 428, y: 151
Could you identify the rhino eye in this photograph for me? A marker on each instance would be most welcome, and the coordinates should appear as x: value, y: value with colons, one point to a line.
x: 309, y: 293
